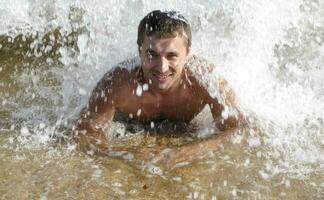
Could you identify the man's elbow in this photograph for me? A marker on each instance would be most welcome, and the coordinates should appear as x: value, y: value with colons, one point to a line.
x: 229, y: 123
x: 88, y: 137
x: 80, y: 133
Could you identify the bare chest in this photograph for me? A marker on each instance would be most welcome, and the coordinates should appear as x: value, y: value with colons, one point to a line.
x: 181, y: 106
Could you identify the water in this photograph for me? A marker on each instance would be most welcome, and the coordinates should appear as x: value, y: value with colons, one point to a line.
x: 53, y: 52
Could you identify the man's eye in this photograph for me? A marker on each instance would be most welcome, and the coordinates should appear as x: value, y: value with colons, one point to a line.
x: 172, y: 56
x: 151, y: 54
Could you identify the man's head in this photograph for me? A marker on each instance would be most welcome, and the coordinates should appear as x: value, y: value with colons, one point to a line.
x: 164, y: 41
x: 164, y: 25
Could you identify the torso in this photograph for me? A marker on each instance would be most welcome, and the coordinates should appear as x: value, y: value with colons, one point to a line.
x: 182, y: 104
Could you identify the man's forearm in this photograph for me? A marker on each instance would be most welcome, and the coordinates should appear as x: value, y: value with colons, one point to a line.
x: 94, y: 141
x: 184, y: 154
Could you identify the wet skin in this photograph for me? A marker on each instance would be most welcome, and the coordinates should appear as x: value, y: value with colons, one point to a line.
x: 163, y: 87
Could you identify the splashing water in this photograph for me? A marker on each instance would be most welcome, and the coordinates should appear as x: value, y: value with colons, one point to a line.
x: 53, y: 52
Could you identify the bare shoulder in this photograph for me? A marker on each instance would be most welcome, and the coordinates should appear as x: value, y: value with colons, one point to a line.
x: 199, y: 71
x: 205, y: 75
x: 123, y: 73
x: 114, y: 83
x: 199, y: 65
x: 202, y: 69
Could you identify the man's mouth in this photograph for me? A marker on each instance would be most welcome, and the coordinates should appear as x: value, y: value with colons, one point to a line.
x: 161, y: 77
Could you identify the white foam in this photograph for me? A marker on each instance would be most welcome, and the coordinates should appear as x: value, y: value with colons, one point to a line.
x: 240, y: 37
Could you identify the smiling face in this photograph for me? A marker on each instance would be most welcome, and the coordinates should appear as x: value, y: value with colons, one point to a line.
x: 163, y: 60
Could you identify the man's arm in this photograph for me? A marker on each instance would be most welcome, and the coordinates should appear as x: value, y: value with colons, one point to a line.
x: 223, y: 104
x: 224, y: 108
x: 89, y: 133
x: 183, y: 155
x: 107, y: 96
x: 105, y: 99
x: 227, y: 120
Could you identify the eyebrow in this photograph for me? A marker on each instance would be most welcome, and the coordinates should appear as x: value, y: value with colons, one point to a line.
x: 173, y: 53
x: 149, y: 50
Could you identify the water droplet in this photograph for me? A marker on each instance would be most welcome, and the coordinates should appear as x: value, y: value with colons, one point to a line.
x: 4, y: 102
x: 97, y: 173
x: 49, y: 61
x: 264, y: 175
x: 282, y: 194
x: 234, y: 192
x: 139, y: 112
x: 254, y: 142
x: 225, y: 112
x: 41, y: 125
x: 195, y: 195
x: 82, y: 91
x: 259, y: 154
x: 247, y: 162
x: 117, y: 184
x: 24, y: 131
x: 225, y: 183
x: 145, y: 87
x: 287, y: 183
x: 139, y: 90
x: 177, y: 178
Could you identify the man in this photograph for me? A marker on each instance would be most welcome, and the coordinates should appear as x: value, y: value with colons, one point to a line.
x: 168, y: 84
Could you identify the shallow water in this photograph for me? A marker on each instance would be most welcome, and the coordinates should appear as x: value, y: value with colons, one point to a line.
x: 235, y: 172
x: 53, y: 52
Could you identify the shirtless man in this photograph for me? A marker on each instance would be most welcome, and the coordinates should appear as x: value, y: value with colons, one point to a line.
x: 164, y: 86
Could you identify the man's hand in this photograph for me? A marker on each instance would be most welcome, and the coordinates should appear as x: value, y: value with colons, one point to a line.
x: 90, y: 139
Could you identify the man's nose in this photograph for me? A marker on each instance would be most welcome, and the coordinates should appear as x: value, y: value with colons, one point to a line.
x: 163, y: 65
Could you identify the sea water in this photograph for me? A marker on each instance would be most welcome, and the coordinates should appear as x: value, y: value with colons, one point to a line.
x: 53, y: 52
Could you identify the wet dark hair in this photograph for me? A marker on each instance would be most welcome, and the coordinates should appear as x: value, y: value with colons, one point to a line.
x: 164, y: 24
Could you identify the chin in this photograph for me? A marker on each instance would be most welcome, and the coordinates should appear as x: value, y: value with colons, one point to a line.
x: 162, y: 87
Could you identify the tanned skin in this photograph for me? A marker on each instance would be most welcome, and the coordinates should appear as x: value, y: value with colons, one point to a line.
x: 170, y: 90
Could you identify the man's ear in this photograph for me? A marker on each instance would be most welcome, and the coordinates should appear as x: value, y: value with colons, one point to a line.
x: 188, y: 51
x: 139, y: 49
